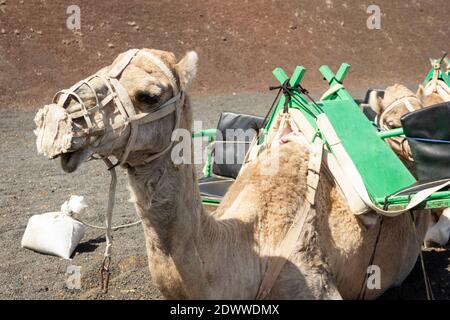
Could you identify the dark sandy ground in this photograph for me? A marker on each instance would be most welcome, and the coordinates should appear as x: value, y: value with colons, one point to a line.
x: 238, y: 41
x: 30, y: 184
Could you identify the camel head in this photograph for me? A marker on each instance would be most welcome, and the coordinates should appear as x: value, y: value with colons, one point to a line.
x: 133, y: 107
x: 398, y: 100
x: 435, y: 91
x: 428, y: 99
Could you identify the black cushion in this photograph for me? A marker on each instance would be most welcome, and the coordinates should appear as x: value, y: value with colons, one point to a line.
x: 369, y: 113
x: 431, y: 159
x: 364, y: 104
x: 419, y: 186
x: 214, y: 187
x: 231, y: 143
x: 380, y: 93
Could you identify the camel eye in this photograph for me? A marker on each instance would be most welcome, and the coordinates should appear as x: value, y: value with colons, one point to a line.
x: 147, y: 98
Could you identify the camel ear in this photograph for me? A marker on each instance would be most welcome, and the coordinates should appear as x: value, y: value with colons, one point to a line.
x: 420, y: 93
x: 375, y: 101
x: 432, y: 61
x: 186, y: 69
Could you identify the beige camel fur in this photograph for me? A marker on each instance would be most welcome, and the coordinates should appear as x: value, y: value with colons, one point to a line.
x: 195, y: 254
x: 430, y: 99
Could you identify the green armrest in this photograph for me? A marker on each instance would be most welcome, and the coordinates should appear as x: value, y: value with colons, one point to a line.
x: 211, y: 134
x: 390, y: 133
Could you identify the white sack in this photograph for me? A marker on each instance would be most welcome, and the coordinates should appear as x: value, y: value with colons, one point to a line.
x: 56, y: 233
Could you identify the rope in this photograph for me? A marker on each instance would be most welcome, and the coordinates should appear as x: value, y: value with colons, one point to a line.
x: 288, y: 92
x: 426, y: 279
x: 306, y: 93
x: 269, y: 112
x: 286, y: 89
x: 104, y: 270
x: 362, y: 291
x: 112, y: 228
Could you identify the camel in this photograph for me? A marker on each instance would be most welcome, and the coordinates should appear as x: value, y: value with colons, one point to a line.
x: 428, y: 99
x: 195, y: 254
x: 439, y: 230
x: 436, y: 90
x: 398, y: 100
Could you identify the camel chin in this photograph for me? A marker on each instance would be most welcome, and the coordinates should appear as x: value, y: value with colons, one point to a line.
x: 70, y: 161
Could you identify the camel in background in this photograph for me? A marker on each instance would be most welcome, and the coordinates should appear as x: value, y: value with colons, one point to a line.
x: 405, y: 100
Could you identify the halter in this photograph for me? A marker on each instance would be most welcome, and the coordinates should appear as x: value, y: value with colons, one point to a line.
x: 119, y: 96
x: 398, y: 141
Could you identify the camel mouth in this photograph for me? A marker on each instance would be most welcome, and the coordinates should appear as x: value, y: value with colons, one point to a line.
x: 70, y: 161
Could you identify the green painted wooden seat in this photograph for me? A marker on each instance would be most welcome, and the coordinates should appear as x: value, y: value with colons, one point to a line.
x: 381, y: 170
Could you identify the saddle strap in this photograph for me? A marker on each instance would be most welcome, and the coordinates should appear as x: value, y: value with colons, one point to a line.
x: 295, y: 232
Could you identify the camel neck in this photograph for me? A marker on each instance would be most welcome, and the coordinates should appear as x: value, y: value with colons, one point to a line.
x: 167, y: 198
x: 168, y: 201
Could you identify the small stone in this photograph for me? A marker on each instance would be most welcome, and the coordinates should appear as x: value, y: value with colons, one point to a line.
x: 17, y: 32
x: 39, y: 32
x: 3, y: 2
x: 137, y: 28
x: 131, y: 23
x: 292, y: 27
x: 110, y: 45
x: 3, y: 31
x: 224, y: 39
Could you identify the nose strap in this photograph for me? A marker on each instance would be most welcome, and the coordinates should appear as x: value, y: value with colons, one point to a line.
x: 117, y: 69
x: 163, y: 67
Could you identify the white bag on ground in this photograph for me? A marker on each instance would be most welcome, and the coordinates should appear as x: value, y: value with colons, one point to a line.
x: 56, y: 233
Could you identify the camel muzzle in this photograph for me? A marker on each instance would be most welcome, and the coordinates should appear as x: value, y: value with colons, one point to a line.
x: 55, y: 132
x: 59, y: 131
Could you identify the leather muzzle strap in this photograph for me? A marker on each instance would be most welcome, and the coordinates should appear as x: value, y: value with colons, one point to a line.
x: 126, y: 107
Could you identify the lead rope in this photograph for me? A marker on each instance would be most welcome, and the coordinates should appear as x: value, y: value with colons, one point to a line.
x: 426, y: 279
x: 104, y: 270
x: 362, y: 291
